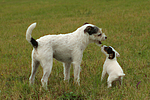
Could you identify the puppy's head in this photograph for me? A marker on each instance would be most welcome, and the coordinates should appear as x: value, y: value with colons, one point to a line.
x: 110, y: 52
x: 95, y: 33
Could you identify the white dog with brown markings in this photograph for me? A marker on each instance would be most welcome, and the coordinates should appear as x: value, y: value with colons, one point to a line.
x: 67, y: 48
x: 111, y: 66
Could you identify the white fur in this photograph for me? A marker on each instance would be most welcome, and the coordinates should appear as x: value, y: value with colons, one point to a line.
x: 67, y: 48
x: 112, y: 68
x: 29, y: 31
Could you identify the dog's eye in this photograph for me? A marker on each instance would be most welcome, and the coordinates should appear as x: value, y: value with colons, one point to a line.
x: 99, y: 34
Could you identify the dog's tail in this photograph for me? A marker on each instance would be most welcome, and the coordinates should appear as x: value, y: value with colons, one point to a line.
x: 122, y: 75
x: 29, y: 37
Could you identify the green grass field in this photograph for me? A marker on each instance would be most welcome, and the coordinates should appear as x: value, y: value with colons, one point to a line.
x: 125, y: 22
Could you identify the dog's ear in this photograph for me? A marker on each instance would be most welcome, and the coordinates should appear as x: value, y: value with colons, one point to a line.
x: 85, y: 23
x: 91, y: 30
x: 117, y: 54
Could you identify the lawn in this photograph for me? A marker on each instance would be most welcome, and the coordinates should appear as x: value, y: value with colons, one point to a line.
x: 125, y: 22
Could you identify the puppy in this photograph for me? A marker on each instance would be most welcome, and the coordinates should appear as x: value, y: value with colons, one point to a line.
x: 111, y: 66
x: 67, y: 48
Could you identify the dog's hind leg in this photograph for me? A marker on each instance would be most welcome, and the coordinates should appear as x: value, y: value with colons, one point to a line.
x: 35, y: 65
x: 47, y: 67
x: 110, y: 79
x: 109, y: 84
x: 66, y: 71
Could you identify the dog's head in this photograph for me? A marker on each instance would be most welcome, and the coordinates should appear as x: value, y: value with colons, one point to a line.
x: 110, y: 52
x: 95, y: 33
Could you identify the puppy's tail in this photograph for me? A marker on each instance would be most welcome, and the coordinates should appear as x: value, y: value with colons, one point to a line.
x: 122, y: 75
x: 29, y: 37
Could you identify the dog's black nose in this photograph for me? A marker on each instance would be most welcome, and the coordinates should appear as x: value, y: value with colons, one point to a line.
x: 105, y: 37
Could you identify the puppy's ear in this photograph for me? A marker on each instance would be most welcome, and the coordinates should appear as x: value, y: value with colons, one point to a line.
x: 117, y: 54
x: 85, y: 23
x: 91, y: 30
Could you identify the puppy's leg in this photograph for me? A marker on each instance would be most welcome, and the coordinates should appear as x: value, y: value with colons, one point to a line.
x: 47, y: 67
x: 103, y: 74
x: 120, y: 80
x: 35, y: 65
x: 110, y: 80
x: 76, y: 66
x: 66, y: 71
x: 109, y: 84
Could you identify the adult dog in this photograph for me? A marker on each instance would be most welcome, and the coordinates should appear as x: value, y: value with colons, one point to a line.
x: 67, y: 48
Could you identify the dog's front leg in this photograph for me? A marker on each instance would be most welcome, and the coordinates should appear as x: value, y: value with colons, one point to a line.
x: 103, y: 75
x: 76, y: 66
x: 66, y: 71
x: 120, y: 80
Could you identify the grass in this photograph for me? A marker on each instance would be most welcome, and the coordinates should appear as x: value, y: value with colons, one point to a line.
x: 126, y: 24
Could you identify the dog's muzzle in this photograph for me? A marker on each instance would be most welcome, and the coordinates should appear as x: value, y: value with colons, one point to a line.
x: 103, y: 40
x: 99, y: 42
